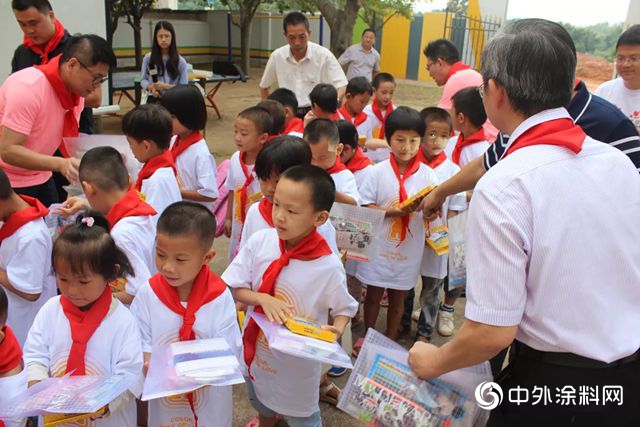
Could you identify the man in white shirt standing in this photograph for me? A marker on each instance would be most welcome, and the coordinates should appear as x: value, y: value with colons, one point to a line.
x: 362, y: 59
x: 301, y: 64
x: 624, y: 91
x: 551, y: 253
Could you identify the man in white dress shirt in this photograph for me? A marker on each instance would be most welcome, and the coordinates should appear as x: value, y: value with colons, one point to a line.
x: 552, y: 252
x: 301, y: 65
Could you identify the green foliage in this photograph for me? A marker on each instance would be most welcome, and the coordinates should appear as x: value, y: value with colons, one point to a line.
x: 377, y: 12
x: 199, y: 4
x: 597, y: 40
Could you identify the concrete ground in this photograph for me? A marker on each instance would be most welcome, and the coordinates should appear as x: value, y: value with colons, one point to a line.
x: 231, y: 99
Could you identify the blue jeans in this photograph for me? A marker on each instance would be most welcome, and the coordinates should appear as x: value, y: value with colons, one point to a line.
x: 313, y: 420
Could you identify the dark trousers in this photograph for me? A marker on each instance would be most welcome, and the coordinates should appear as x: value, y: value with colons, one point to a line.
x: 45, y: 192
x: 526, y: 372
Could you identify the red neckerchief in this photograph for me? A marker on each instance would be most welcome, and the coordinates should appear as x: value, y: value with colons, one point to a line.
x: 311, y: 247
x: 10, y: 351
x: 337, y: 167
x: 266, y: 210
x: 180, y: 145
x: 359, y: 119
x: 51, y: 45
x: 358, y: 162
x: 83, y: 324
x: 375, y: 107
x: 164, y: 160
x: 18, y: 219
x: 206, y: 287
x: 412, y: 168
x: 465, y: 142
x: 435, y: 162
x: 295, y: 125
x: 130, y: 205
x: 68, y: 100
x: 560, y: 132
x: 335, y: 116
x: 248, y: 179
x: 455, y: 67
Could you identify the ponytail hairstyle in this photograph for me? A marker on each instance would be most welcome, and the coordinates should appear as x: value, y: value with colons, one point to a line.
x: 87, y: 246
x: 173, y: 63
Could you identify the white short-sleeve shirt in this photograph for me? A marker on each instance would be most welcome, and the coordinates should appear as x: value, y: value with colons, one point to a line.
x: 197, y: 170
x: 365, y: 128
x: 136, y: 236
x: 360, y: 62
x: 289, y: 385
x: 376, y: 124
x: 627, y: 100
x: 346, y: 183
x: 161, y: 190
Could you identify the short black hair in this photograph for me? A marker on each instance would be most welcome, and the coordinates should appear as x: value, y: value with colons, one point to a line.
x: 186, y: 103
x: 286, y: 97
x: 348, y: 133
x: 436, y: 114
x: 317, y: 129
x: 6, y: 191
x: 88, y: 247
x: 294, y: 18
x: 442, y: 48
x: 260, y: 117
x: 104, y: 168
x: 368, y: 30
x: 323, y: 189
x: 276, y: 110
x: 382, y: 78
x: 469, y: 102
x: 43, y: 6
x: 325, y: 96
x: 90, y: 50
x: 631, y: 36
x: 188, y: 219
x: 359, y: 85
x: 280, y: 154
x: 151, y: 122
x: 404, y: 118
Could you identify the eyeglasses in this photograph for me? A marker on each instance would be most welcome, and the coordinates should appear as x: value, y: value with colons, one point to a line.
x: 481, y: 91
x: 430, y: 64
x: 631, y: 59
x: 97, y: 79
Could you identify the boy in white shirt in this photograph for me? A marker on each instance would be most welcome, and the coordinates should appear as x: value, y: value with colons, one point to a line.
x: 358, y: 93
x: 284, y: 271
x: 105, y: 183
x: 195, y: 164
x: 433, y: 269
x: 399, y: 243
x: 324, y: 140
x: 384, y: 86
x: 292, y: 124
x: 148, y: 130
x: 187, y: 301
x: 324, y: 103
x: 276, y: 111
x: 469, y: 117
x: 24, y: 238
x: 251, y: 131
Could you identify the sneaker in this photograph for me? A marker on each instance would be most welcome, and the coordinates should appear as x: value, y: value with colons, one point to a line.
x: 336, y: 371
x: 445, y: 323
x: 416, y: 314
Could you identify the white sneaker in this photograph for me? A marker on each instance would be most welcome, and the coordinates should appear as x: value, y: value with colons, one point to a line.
x: 416, y: 314
x: 445, y: 323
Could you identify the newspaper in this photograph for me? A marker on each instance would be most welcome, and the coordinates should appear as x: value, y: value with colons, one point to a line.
x: 355, y: 229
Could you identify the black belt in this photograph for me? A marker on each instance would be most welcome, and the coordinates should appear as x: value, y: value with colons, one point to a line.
x: 568, y: 359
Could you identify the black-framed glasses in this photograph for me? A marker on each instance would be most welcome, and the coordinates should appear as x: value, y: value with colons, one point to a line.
x: 97, y: 80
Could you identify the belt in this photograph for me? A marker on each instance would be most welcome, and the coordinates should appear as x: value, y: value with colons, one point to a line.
x: 568, y: 359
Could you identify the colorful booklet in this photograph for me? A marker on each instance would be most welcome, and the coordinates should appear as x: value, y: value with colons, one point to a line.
x: 355, y: 228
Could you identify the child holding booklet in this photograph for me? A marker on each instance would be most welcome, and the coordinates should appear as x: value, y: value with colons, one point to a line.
x: 186, y: 301
x: 85, y: 330
x: 284, y: 271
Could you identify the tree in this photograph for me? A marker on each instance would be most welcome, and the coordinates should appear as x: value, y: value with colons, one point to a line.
x: 115, y: 12
x: 247, y: 10
x: 133, y: 10
x: 376, y: 13
x: 341, y: 17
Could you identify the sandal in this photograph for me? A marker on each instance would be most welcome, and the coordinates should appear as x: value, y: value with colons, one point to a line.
x: 325, y: 395
x: 384, y: 302
x: 255, y: 421
x: 357, y: 347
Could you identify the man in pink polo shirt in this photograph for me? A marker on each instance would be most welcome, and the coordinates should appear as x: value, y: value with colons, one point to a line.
x: 40, y: 105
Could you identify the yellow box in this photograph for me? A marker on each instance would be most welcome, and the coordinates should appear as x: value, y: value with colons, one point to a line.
x: 51, y: 420
x: 254, y: 197
x: 309, y: 328
x: 419, y: 195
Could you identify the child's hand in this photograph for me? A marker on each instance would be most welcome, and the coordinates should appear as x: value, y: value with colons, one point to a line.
x: 338, y: 332
x: 240, y: 306
x: 145, y: 365
x: 227, y: 227
x: 276, y: 310
x: 71, y: 206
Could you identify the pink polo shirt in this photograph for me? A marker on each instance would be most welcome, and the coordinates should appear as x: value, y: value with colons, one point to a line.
x: 29, y: 105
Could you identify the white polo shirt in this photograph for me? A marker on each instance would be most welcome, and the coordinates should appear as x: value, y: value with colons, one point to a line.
x: 552, y: 247
x: 319, y: 65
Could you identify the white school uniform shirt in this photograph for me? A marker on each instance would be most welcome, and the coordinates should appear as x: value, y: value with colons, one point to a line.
x: 289, y: 385
x: 135, y: 235
x: 375, y: 123
x: 235, y: 181
x: 469, y: 152
x: 552, y: 246
x: 346, y: 183
x: 255, y: 222
x: 365, y: 128
x: 113, y: 349
x: 627, y: 100
x: 11, y: 387
x: 159, y: 325
x: 394, y: 265
x: 161, y: 190
x: 435, y: 266
x: 26, y: 257
x: 197, y: 170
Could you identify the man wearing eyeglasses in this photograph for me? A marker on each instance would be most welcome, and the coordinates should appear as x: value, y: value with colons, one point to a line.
x: 624, y: 91
x: 39, y: 106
